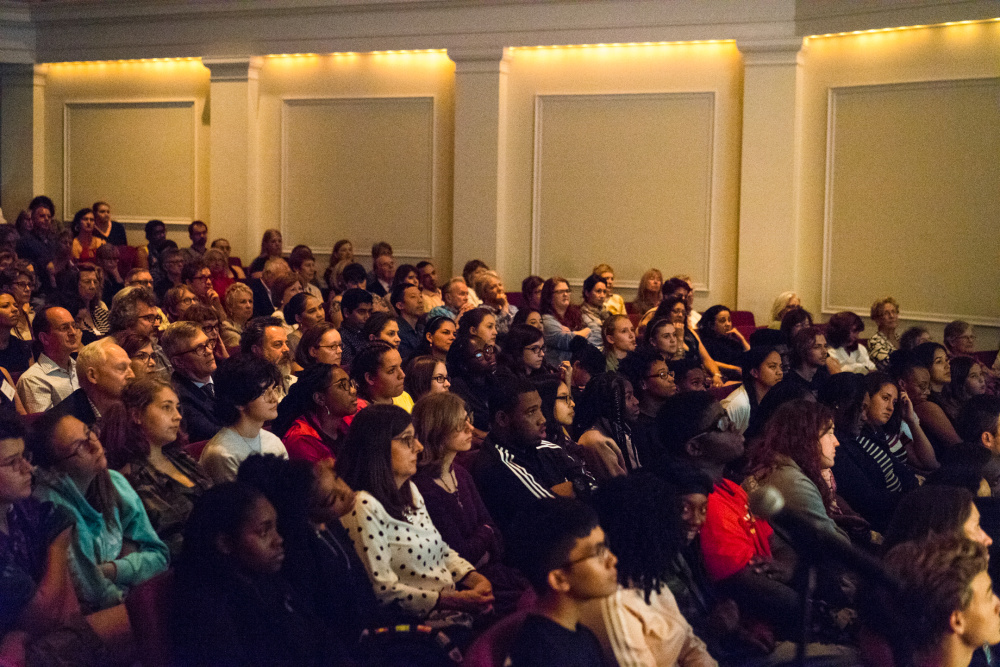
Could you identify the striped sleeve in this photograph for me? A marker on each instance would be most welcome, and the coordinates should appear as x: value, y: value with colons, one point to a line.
x: 536, y: 488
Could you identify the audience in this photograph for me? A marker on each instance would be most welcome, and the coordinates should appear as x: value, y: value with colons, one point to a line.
x: 652, y: 383
x: 604, y: 421
x: 724, y: 343
x: 266, y: 299
x: 761, y: 370
x: 302, y: 312
x: 885, y: 314
x: 321, y: 344
x: 356, y: 307
x: 648, y: 296
x: 239, y: 309
x: 378, y: 373
x: 618, y: 339
x: 198, y: 233
x: 265, y: 337
x: 247, y: 399
x: 15, y: 354
x: 45, y: 384
x: 561, y: 321
x: 425, y: 375
x: 523, y: 352
x: 191, y: 354
x: 313, y: 419
x: 409, y: 304
x: 208, y: 320
x: 429, y: 290
x: 271, y: 247
x: 102, y: 369
x: 843, y: 333
x: 439, y: 334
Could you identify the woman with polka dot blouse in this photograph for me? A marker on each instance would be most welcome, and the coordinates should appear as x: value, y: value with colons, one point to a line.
x: 408, y: 562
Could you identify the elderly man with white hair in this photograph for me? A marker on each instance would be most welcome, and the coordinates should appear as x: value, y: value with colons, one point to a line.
x: 102, y: 370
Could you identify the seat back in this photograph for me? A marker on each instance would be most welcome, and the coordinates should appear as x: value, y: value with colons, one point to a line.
x: 492, y: 647
x: 148, y: 606
x: 515, y: 299
x: 194, y: 449
x: 127, y: 257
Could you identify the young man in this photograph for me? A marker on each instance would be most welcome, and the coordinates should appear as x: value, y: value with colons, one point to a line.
x: 427, y: 274
x: 356, y: 308
x: 560, y: 548
x: 409, y: 304
x: 946, y: 601
x: 516, y: 466
x: 653, y: 383
x: 198, y: 233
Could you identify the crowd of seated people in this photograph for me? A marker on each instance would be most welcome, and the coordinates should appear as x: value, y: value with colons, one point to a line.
x: 394, y: 467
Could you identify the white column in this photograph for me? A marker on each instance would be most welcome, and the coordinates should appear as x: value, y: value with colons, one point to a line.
x: 22, y: 136
x: 770, y: 174
x: 480, y: 152
x: 233, y: 148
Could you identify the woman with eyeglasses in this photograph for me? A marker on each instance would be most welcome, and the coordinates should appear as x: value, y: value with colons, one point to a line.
x: 524, y: 352
x: 444, y: 427
x: 246, y: 393
x: 559, y: 409
x: 19, y: 281
x: 139, y: 349
x: 320, y: 344
x: 115, y: 547
x: 425, y: 375
x: 140, y: 434
x: 471, y: 368
x: 409, y: 563
x: 561, y: 320
x: 94, y: 316
x: 314, y: 417
x: 177, y: 300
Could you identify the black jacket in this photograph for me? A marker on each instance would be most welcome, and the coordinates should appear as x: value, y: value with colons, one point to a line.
x: 199, y: 420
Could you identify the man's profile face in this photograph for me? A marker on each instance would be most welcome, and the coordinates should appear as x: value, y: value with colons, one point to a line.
x: 590, y: 568
x: 199, y: 235
x: 527, y: 423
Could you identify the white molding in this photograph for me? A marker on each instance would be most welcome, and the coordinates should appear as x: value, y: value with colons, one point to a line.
x: 151, y: 102
x: 295, y: 100
x: 826, y: 307
x: 536, y: 229
x: 139, y: 221
x: 238, y: 69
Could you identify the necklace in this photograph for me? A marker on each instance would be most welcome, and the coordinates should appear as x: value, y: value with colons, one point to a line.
x: 445, y: 483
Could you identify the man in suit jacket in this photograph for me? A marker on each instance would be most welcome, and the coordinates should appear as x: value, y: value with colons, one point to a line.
x: 263, y: 304
x: 191, y: 353
x: 383, y: 269
x: 102, y: 369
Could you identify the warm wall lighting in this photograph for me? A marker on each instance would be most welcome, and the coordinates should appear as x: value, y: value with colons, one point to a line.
x: 901, y: 28
x: 158, y: 62
x: 401, y: 52
x: 620, y: 45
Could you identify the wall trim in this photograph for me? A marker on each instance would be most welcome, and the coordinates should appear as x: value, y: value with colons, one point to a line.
x: 826, y: 306
x: 288, y: 101
x: 536, y: 178
x: 151, y: 102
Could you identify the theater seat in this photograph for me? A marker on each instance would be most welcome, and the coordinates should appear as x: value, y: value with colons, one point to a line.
x: 515, y: 299
x: 127, y: 257
x: 194, y: 449
x: 148, y: 607
x: 490, y: 649
x: 743, y: 318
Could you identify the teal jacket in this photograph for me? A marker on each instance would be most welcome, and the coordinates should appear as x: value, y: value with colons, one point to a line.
x: 98, y: 541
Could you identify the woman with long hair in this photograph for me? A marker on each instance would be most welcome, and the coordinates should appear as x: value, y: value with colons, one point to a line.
x: 618, y: 338
x: 408, y: 562
x: 843, y: 333
x: 85, y: 242
x: 222, y: 274
x: 15, y: 354
x: 561, y: 320
x: 524, y: 352
x: 320, y: 344
x: 381, y: 327
x: 675, y: 310
x: 531, y: 290
x: 302, y: 312
x: 725, y: 343
x: 425, y: 375
x: 797, y: 446
x: 931, y: 411
x: 114, y: 546
x: 530, y: 316
x: 270, y: 246
x: 378, y: 372
x: 314, y: 417
x: 95, y: 314
x: 141, y: 435
x: 968, y: 379
x: 19, y: 281
x: 439, y: 334
x: 648, y: 296
x: 593, y: 313
x: 479, y: 324
x: 761, y: 370
x: 603, y: 423
x: 559, y: 410
x: 661, y: 335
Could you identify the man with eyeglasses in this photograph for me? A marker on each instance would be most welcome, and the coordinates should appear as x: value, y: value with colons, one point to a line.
x: 653, y: 384
x: 134, y: 309
x: 102, y: 370
x: 561, y: 549
x: 191, y: 352
x: 198, y: 277
x: 53, y: 378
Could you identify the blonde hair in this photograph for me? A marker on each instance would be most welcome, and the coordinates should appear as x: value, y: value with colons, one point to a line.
x: 601, y: 269
x: 436, y: 417
x: 880, y: 305
x: 781, y: 303
x: 234, y: 292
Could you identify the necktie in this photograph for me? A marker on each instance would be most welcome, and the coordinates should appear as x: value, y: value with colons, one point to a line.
x: 210, y: 390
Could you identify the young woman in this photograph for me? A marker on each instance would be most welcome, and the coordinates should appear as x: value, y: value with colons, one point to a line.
x: 406, y: 273
x: 641, y: 623
x: 935, y: 509
x: 424, y: 376
x: 603, y: 423
x: 231, y: 604
x: 870, y: 476
x: 524, y: 352
x: 675, y: 310
x: 531, y: 290
x: 85, y: 243
x: 558, y: 407
x: 614, y: 303
x: 530, y: 316
x: 378, y: 371
x: 115, y: 547
x: 270, y: 246
x: 661, y: 335
x: 885, y: 313
x: 222, y: 274
x: 239, y: 307
x: 15, y: 354
x: 320, y: 344
x: 761, y: 369
x: 246, y: 394
x: 139, y: 433
x: 648, y: 296
x: 843, y: 332
x: 303, y: 311
x: 287, y: 286
x: 177, y: 300
x: 479, y: 324
x: 421, y: 575
x: 797, y: 446
x: 968, y: 379
x: 593, y: 314
x: 561, y: 320
x: 20, y: 282
x: 471, y: 370
x: 382, y: 327
x: 439, y: 334
x: 313, y: 419
x: 88, y: 288
x: 618, y: 338
x: 939, y: 428
x: 724, y: 343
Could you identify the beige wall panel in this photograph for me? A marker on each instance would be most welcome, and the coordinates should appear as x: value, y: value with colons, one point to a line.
x: 658, y: 84
x: 616, y: 167
x: 944, y: 53
x: 152, y: 148
x: 915, y: 167
x: 366, y: 138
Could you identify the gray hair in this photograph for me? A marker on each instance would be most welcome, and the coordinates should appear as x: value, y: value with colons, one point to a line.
x: 125, y: 306
x: 178, y: 336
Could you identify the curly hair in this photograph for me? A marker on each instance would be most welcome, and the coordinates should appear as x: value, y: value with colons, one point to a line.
x: 603, y: 403
x: 641, y: 518
x: 879, y: 306
x: 794, y: 432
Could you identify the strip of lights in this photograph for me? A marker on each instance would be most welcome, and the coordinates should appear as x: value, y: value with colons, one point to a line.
x: 874, y: 31
x: 620, y: 45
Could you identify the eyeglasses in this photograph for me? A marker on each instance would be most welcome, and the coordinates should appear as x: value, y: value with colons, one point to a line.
x: 601, y: 552
x: 205, y: 348
x: 88, y: 441
x: 210, y: 329
x: 333, y: 346
x: 663, y: 375
x: 568, y: 398
x: 23, y: 284
x: 152, y: 318
x: 272, y: 394
x: 560, y: 291
x: 535, y: 349
x: 206, y: 279
x: 188, y: 300
x: 723, y: 425
x: 143, y: 357
x: 17, y: 461
x: 440, y: 379
x: 347, y: 384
